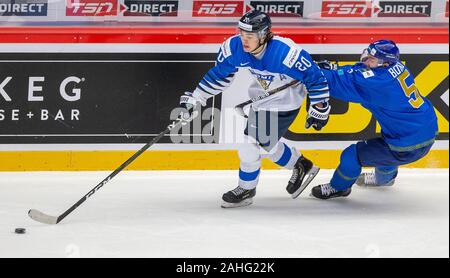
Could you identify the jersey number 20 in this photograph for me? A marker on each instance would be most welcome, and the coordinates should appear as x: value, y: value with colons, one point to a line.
x: 412, y: 92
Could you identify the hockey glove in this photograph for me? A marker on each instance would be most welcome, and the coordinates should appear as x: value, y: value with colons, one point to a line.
x: 325, y: 64
x: 318, y: 117
x: 187, y: 105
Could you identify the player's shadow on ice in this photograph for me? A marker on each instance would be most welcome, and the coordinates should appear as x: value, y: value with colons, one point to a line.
x: 362, y: 202
x: 369, y: 201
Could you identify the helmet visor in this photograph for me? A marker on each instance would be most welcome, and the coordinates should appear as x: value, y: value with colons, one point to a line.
x: 252, y: 34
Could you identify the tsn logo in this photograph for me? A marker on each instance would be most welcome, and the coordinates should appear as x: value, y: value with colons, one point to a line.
x: 348, y: 9
x: 218, y: 8
x: 91, y: 8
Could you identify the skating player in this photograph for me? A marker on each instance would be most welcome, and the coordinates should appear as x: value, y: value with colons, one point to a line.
x: 273, y: 62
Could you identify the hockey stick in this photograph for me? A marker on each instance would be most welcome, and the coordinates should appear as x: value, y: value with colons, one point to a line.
x: 48, y: 219
x: 240, y: 108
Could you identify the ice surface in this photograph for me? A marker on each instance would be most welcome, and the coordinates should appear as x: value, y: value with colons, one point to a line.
x: 178, y: 214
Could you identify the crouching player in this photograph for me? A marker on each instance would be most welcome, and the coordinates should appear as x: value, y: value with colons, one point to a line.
x: 384, y: 86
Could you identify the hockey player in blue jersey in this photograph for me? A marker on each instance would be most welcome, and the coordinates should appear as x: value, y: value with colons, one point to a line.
x: 384, y: 86
x: 273, y: 62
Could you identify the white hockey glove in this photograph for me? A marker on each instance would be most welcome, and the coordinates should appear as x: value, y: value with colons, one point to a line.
x: 187, y: 105
x: 325, y: 64
x: 318, y: 117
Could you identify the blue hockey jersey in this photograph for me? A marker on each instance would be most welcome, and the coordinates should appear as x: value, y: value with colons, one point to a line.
x: 280, y: 63
x: 408, y: 120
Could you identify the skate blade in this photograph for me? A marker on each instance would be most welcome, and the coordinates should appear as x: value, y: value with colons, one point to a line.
x: 309, y: 177
x: 363, y: 185
x: 244, y: 203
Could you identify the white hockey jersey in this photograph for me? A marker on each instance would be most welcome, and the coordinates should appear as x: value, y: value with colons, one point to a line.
x: 281, y: 62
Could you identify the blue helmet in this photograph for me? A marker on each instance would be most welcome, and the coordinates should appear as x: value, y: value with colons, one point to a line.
x: 386, y: 51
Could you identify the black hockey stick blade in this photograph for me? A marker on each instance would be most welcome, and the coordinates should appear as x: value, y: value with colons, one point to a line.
x: 42, y: 217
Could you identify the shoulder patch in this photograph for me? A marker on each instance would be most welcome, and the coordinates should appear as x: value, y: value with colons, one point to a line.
x: 226, y: 47
x: 367, y: 73
x: 292, y: 57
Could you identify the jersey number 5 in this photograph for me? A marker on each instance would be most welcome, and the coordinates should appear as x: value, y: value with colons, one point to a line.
x: 412, y: 92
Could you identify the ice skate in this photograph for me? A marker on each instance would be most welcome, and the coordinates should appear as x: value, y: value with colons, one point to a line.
x: 238, y: 197
x: 369, y: 180
x: 325, y: 191
x: 302, y: 168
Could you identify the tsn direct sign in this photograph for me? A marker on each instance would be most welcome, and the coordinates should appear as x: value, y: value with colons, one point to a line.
x: 11, y: 8
x: 380, y: 9
x: 347, y: 9
x: 91, y: 7
x: 205, y: 8
x: 405, y: 9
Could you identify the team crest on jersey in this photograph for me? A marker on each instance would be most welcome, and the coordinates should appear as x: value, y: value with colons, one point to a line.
x: 263, y: 80
x: 264, y: 83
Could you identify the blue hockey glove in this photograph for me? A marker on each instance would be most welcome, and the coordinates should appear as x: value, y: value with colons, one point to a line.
x: 318, y: 117
x: 325, y: 64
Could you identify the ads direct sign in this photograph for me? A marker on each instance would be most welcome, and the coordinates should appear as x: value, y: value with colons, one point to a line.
x: 279, y: 8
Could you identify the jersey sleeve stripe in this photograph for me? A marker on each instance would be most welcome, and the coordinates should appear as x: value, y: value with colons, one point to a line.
x: 211, y: 86
x: 319, y: 90
x: 212, y: 80
x: 319, y: 96
x: 204, y: 90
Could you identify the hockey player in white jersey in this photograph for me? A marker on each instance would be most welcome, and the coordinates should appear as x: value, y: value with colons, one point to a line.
x: 273, y: 62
